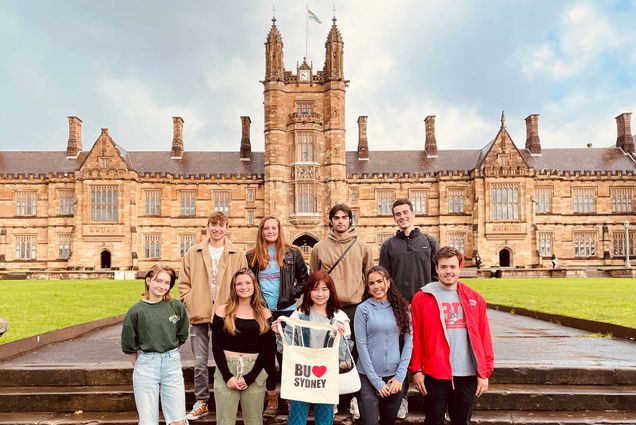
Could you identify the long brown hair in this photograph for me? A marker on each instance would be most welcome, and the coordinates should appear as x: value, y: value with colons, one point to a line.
x: 333, y: 303
x: 152, y: 273
x: 399, y: 305
x: 261, y: 256
x: 256, y: 302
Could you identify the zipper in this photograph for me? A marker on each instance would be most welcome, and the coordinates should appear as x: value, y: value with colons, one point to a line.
x: 442, y: 322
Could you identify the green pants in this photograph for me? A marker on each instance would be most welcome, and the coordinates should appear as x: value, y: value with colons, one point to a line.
x: 252, y: 398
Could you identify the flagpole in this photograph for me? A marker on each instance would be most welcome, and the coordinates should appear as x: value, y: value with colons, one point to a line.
x: 306, y: 29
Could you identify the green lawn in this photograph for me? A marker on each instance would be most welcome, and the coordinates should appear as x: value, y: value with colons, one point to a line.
x: 34, y: 307
x: 37, y: 306
x: 604, y: 300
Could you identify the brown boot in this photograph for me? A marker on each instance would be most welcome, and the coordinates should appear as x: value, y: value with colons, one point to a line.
x: 272, y: 404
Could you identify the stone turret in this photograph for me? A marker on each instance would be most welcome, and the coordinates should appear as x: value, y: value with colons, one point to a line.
x: 334, y: 47
x: 274, y: 66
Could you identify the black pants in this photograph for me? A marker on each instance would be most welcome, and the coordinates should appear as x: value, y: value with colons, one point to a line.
x: 440, y: 395
x: 373, y: 405
x: 273, y: 377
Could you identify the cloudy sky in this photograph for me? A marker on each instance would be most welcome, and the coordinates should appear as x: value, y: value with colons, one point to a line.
x: 131, y: 65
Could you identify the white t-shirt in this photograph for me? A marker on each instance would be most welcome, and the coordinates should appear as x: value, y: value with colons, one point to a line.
x: 215, y: 255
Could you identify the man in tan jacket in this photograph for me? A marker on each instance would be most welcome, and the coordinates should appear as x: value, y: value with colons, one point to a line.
x: 348, y: 270
x: 204, y: 282
x: 347, y: 260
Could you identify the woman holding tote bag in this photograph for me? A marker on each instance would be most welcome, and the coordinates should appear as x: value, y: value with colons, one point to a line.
x: 384, y: 341
x: 320, y: 304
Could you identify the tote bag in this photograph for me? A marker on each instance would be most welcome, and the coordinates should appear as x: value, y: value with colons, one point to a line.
x: 309, y: 374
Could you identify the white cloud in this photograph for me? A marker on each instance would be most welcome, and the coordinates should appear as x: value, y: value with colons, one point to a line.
x: 143, y: 119
x: 584, y: 34
x: 401, y: 126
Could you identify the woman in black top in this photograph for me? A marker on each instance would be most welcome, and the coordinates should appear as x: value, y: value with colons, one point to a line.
x: 242, y: 346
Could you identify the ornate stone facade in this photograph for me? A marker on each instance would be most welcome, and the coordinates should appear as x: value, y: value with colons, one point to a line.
x: 110, y: 208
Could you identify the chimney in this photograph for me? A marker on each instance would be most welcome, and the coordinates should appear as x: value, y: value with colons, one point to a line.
x: 74, y: 146
x: 246, y: 146
x: 533, y: 143
x: 625, y: 139
x: 177, y: 138
x: 430, y: 147
x: 363, y: 144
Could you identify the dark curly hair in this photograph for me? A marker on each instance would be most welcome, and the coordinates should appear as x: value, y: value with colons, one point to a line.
x: 399, y: 305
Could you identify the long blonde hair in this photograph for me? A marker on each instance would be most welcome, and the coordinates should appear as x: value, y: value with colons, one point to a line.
x: 261, y: 256
x: 257, y: 303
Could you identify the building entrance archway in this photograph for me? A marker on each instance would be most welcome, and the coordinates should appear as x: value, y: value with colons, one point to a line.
x: 105, y: 259
x: 505, y: 257
x: 305, y: 243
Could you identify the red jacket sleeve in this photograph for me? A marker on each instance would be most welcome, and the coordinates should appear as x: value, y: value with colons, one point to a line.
x: 417, y: 315
x: 486, y: 340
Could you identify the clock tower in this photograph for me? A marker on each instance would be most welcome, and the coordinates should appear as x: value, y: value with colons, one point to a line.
x: 305, y: 157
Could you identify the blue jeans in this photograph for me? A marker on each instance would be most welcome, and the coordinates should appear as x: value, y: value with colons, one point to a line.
x: 298, y: 411
x: 155, y: 375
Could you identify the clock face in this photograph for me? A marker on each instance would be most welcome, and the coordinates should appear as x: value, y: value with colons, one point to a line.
x: 303, y: 75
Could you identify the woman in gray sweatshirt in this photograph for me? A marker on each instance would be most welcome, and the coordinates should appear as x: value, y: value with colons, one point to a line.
x: 383, y: 337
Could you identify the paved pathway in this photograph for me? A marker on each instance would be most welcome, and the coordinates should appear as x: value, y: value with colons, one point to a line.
x: 519, y: 341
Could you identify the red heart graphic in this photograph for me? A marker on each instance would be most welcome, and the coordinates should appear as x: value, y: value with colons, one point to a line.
x: 319, y: 370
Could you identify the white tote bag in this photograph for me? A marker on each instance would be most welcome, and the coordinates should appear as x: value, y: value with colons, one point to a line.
x: 309, y: 374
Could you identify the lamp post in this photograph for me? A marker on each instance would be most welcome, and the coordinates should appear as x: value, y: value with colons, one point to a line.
x: 627, y: 265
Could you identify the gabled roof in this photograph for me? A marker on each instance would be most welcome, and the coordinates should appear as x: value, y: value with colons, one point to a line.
x: 500, y: 139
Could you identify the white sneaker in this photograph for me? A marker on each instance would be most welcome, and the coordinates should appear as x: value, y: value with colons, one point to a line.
x: 404, y: 408
x: 353, y: 409
x: 335, y: 409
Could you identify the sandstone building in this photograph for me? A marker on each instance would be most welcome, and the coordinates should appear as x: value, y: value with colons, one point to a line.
x: 516, y: 205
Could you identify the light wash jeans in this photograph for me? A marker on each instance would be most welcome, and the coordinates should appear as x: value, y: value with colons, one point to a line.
x: 159, y: 374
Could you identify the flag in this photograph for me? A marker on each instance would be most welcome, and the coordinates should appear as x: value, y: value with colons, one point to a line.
x: 312, y: 17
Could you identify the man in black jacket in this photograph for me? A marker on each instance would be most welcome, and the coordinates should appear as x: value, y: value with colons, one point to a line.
x: 409, y: 257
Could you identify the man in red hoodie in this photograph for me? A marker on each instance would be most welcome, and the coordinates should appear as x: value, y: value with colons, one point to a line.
x: 452, y: 348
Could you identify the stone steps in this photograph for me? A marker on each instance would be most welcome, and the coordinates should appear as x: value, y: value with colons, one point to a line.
x: 480, y: 417
x: 517, y: 395
x: 89, y: 375
x: 521, y: 397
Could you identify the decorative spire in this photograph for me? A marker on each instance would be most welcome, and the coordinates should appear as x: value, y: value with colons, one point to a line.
x: 334, y: 33
x: 274, y: 67
x: 334, y: 47
x: 503, y: 119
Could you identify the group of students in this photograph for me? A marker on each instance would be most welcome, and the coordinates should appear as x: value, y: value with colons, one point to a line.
x: 408, y: 316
